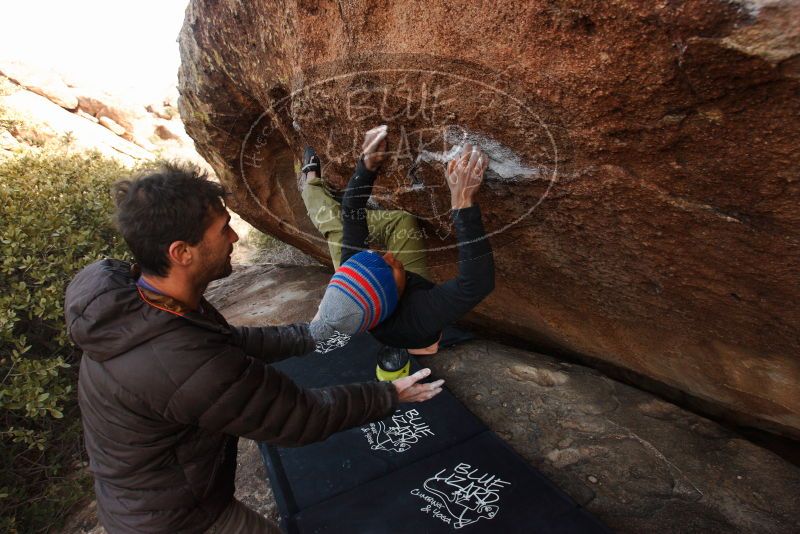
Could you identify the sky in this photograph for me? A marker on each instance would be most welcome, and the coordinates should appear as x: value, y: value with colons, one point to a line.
x: 127, y: 47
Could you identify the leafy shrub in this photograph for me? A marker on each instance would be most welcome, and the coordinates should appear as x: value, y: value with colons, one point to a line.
x: 55, y: 218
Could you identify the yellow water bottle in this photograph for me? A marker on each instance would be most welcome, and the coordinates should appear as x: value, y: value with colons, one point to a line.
x: 393, y: 363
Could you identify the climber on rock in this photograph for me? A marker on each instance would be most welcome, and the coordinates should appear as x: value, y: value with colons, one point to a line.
x: 376, y: 293
x: 397, y: 229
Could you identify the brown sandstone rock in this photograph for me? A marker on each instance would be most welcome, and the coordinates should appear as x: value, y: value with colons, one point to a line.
x: 101, y: 104
x: 86, y: 116
x: 137, y: 123
x: 40, y: 121
x: 160, y: 110
x: 47, y: 84
x: 637, y: 467
x: 642, y: 197
x: 8, y: 141
x: 163, y: 131
x: 112, y: 125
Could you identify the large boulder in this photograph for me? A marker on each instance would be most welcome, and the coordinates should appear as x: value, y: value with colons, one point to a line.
x: 643, y: 191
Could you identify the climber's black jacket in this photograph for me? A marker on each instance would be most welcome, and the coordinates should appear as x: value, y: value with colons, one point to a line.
x: 424, y: 308
x: 164, y: 392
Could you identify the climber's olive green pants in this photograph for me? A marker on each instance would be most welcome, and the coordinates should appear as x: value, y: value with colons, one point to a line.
x: 397, y: 230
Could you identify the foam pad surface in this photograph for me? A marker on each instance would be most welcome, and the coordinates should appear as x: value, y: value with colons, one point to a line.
x: 429, y: 467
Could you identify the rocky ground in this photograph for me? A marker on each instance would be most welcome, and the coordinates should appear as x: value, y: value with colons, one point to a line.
x: 639, y: 463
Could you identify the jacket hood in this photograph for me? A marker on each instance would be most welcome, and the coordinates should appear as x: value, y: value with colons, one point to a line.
x: 106, y: 316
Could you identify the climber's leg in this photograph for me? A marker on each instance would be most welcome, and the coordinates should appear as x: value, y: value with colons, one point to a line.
x: 325, y: 213
x: 399, y: 232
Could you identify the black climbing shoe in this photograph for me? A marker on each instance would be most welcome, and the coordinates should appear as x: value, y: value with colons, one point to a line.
x: 311, y: 162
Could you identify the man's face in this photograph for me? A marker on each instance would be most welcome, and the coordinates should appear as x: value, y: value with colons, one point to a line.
x: 215, y: 249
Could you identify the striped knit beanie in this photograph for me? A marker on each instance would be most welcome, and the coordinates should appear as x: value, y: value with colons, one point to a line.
x: 361, y: 294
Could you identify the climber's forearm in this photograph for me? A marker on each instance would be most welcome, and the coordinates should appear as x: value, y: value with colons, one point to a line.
x: 354, y: 211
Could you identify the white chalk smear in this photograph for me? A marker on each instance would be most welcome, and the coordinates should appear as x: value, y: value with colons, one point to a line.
x: 503, y: 161
x: 754, y: 7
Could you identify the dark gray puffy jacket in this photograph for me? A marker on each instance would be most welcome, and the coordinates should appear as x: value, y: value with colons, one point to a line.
x: 164, y: 392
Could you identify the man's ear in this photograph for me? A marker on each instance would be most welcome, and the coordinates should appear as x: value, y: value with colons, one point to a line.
x: 180, y: 253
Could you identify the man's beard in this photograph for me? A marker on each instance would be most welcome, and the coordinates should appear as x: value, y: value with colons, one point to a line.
x: 225, y: 269
x: 221, y: 268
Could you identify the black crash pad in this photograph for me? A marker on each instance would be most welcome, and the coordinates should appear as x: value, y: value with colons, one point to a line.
x: 348, y: 459
x: 355, y: 362
x: 430, y: 467
x: 480, y: 485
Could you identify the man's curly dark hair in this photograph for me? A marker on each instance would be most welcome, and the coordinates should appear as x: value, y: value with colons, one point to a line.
x: 172, y: 203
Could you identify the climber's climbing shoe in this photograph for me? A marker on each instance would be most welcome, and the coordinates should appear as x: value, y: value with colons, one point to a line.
x: 311, y: 162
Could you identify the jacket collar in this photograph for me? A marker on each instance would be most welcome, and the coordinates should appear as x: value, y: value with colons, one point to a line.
x: 164, y: 302
x: 207, y: 316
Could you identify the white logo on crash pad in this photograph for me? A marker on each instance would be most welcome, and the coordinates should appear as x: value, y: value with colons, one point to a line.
x: 336, y: 341
x: 398, y: 434
x: 461, y: 496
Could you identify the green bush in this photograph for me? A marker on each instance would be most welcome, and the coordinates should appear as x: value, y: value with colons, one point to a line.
x: 55, y: 218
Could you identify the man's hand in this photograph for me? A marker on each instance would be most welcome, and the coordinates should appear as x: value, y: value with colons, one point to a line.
x: 465, y: 175
x: 409, y: 391
x: 374, y: 148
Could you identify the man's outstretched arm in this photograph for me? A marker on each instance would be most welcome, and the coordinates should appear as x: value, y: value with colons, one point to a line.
x: 448, y: 301
x: 273, y: 343
x: 359, y: 188
x: 232, y: 393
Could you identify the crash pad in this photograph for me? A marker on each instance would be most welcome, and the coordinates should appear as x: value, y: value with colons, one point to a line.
x: 428, y: 467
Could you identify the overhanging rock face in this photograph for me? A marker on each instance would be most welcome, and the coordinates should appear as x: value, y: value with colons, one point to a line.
x: 643, y: 194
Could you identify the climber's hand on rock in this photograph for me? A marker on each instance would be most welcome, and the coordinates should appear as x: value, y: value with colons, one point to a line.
x: 465, y: 175
x: 408, y: 389
x: 374, y: 148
